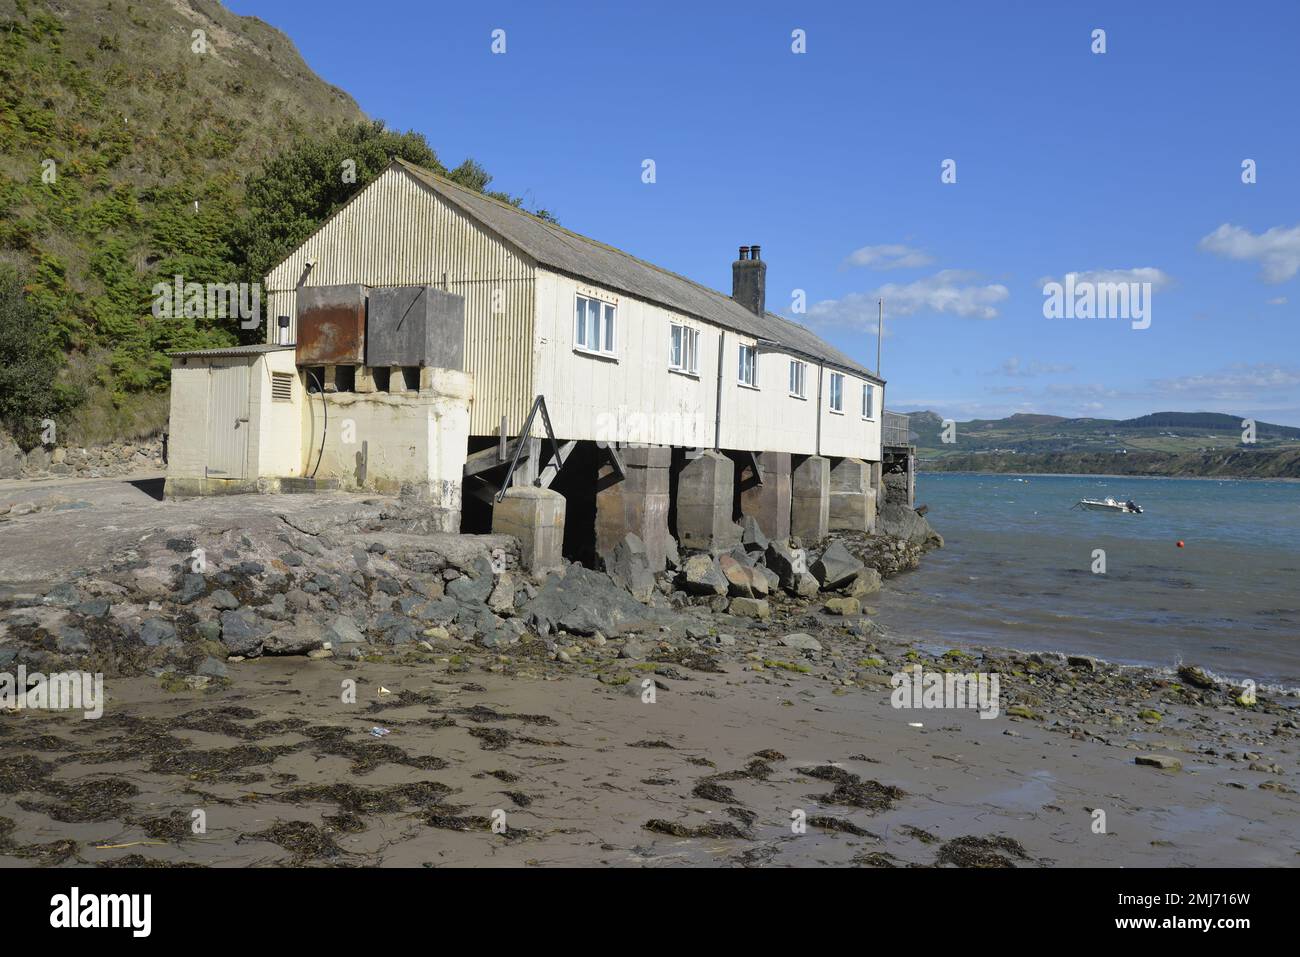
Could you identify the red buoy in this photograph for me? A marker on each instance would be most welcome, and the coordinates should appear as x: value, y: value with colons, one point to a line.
x: 1180, y: 543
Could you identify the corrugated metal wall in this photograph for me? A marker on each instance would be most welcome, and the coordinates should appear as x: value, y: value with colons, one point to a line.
x: 396, y: 232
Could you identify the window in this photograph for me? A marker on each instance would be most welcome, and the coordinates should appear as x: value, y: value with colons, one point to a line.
x: 749, y: 366
x: 684, y: 349
x: 837, y: 392
x: 798, y: 378
x: 868, y: 400
x: 593, y: 325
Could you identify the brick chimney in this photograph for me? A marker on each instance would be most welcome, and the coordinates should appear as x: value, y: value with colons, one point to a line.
x: 749, y: 280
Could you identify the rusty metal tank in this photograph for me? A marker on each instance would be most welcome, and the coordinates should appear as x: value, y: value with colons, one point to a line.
x: 332, y: 325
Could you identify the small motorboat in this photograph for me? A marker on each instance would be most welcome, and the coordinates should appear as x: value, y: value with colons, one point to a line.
x: 1109, y: 505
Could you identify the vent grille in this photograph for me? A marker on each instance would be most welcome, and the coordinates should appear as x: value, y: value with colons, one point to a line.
x: 282, y: 386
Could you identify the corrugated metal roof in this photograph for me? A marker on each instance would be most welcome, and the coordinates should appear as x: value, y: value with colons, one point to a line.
x: 229, y: 351
x: 568, y: 252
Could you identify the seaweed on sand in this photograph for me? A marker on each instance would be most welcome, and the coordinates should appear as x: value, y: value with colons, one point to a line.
x: 711, y: 790
x: 83, y: 802
x: 972, y: 851
x: 713, y: 829
x: 481, y: 714
x: 217, y: 764
x: 304, y: 840
x: 851, y: 791
x: 352, y: 799
x: 369, y: 754
x: 827, y: 823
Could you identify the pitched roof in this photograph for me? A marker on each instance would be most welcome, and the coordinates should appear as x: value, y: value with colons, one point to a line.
x: 567, y: 252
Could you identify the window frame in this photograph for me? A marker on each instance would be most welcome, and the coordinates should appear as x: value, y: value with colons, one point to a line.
x: 868, y: 389
x: 836, y: 389
x: 690, y: 349
x: 802, y: 378
x: 606, y: 320
x: 751, y: 352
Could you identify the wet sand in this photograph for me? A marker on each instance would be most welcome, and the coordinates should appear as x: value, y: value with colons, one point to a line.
x: 286, y: 773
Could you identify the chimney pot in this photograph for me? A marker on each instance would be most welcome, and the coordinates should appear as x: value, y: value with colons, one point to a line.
x: 753, y: 250
x: 744, y: 252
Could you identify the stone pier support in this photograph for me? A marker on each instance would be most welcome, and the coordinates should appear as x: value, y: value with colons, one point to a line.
x: 637, y: 503
x: 769, y: 503
x: 706, y: 488
x: 535, y: 516
x: 853, y: 500
x: 810, y: 497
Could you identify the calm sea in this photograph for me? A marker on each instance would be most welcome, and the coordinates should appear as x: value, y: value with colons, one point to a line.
x: 1017, y: 571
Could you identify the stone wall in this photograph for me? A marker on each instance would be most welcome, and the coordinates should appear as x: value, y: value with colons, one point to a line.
x: 118, y: 458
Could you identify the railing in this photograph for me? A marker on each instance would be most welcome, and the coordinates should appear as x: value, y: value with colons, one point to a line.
x: 894, y: 430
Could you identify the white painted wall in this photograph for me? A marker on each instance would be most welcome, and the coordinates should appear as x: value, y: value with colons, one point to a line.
x: 634, y: 396
x: 413, y: 438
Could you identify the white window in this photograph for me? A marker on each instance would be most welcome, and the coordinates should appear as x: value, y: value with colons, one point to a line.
x: 593, y: 325
x: 798, y: 378
x: 749, y: 366
x: 868, y: 400
x: 837, y: 392
x: 684, y: 349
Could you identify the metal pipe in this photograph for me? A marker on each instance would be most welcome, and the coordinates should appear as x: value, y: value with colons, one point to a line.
x: 717, y: 416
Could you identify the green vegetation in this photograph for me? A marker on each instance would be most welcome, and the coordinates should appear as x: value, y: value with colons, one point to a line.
x: 1165, y: 443
x: 127, y: 157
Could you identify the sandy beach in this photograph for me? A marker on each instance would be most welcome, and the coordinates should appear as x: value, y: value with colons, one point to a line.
x: 548, y: 751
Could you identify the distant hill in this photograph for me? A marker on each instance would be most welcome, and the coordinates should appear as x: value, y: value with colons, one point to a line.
x: 1160, y: 443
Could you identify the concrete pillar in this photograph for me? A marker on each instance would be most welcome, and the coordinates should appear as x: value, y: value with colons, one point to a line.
x: 396, y: 381
x: 768, y: 503
x: 810, y: 499
x: 637, y: 503
x: 365, y: 382
x: 526, y: 470
x: 706, y: 488
x: 535, y: 516
x: 853, y: 500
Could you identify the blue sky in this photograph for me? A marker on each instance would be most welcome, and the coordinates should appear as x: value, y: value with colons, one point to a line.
x: 1067, y: 161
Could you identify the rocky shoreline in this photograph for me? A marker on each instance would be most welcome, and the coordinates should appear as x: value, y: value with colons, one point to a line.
x: 201, y: 616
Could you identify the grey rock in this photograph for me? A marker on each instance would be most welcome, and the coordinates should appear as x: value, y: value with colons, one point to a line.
x: 207, y: 630
x: 242, y: 632
x: 211, y: 667
x: 95, y: 608
x: 701, y: 575
x: 780, y: 558
x: 583, y: 602
x: 752, y: 537
x: 836, y: 567
x: 629, y: 566
x: 223, y: 600
x: 193, y: 585
x: 62, y: 595
x: 72, y: 641
x: 158, y: 631
x: 343, y: 631
x: 802, y: 642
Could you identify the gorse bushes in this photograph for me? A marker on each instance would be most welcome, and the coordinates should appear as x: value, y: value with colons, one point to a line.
x: 127, y: 159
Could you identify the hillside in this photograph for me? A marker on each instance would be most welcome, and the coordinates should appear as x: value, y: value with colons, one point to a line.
x: 139, y: 128
x: 1163, y: 443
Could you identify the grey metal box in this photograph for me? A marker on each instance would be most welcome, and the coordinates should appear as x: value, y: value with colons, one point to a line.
x: 415, y: 326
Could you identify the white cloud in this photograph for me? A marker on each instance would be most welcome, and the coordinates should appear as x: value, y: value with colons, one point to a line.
x: 889, y: 256
x: 1158, y: 278
x: 1276, y: 301
x: 1235, y: 383
x: 948, y: 291
x: 1277, y: 250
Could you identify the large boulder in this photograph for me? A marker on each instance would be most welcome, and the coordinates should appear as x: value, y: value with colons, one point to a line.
x: 837, y: 566
x: 701, y: 575
x: 583, y: 602
x: 243, y: 632
x: 899, y: 521
x: 782, y: 560
x: 629, y: 566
